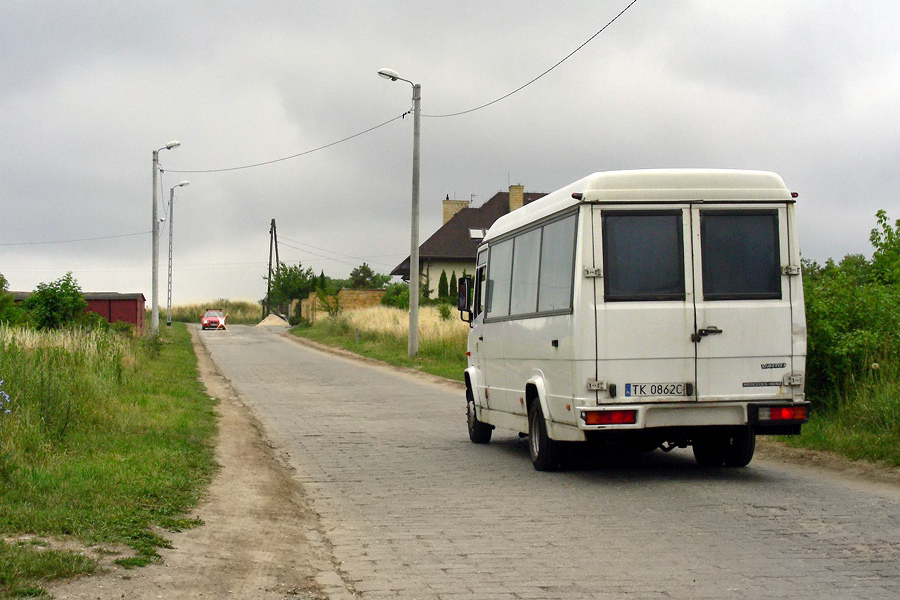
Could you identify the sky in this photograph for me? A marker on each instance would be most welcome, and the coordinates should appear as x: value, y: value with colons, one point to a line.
x: 89, y: 89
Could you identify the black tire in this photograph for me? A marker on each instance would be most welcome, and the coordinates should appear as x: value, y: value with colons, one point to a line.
x: 710, y: 449
x: 479, y: 433
x: 545, y: 453
x: 740, y: 448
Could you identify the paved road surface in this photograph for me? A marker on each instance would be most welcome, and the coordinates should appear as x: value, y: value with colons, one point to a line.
x: 412, y: 509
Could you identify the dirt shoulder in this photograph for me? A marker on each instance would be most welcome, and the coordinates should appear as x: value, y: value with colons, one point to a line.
x: 259, y: 540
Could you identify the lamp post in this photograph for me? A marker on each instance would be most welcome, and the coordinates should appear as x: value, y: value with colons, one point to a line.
x: 413, y: 344
x: 171, y: 226
x: 154, y: 313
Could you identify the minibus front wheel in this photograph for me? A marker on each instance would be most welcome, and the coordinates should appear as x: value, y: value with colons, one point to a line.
x: 479, y: 433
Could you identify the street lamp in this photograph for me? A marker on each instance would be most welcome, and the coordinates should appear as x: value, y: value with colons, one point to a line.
x: 413, y: 345
x: 154, y: 313
x: 171, y: 225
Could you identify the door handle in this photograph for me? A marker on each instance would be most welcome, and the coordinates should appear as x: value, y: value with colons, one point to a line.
x: 702, y: 333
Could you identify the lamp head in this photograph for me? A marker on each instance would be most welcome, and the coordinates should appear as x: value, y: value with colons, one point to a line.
x: 183, y: 183
x: 389, y: 74
x: 171, y: 145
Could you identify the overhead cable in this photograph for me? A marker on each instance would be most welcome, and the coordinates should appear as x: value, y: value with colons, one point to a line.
x: 269, y: 162
x: 105, y: 237
x: 522, y: 87
x: 456, y: 114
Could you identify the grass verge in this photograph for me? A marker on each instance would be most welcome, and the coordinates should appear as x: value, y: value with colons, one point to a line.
x: 380, y: 333
x: 102, y: 444
x: 860, y: 423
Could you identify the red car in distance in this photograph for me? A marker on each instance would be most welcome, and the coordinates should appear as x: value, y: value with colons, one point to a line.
x: 213, y: 318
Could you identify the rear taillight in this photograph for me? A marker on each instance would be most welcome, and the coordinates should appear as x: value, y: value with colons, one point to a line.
x: 782, y: 413
x: 610, y: 417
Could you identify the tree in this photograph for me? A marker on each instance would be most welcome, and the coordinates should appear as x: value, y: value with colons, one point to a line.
x: 886, y: 258
x: 291, y: 282
x: 453, y: 285
x: 364, y: 278
x: 9, y: 313
x: 443, y: 290
x: 56, y: 304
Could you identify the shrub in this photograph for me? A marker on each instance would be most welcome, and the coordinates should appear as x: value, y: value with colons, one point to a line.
x: 9, y: 312
x: 850, y: 325
x: 56, y: 304
x: 396, y: 296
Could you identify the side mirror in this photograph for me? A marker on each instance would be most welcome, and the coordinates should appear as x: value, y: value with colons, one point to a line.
x: 462, y: 300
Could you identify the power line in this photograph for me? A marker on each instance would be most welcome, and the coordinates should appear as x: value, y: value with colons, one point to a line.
x: 333, y: 252
x: 334, y: 258
x: 105, y: 237
x: 522, y: 87
x: 269, y: 162
x: 456, y: 114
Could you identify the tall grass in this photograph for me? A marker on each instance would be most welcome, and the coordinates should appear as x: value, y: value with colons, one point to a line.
x: 381, y: 332
x: 107, y: 436
x: 864, y: 424
x: 240, y: 312
x: 54, y: 379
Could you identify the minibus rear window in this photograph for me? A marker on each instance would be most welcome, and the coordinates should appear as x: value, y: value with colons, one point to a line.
x: 643, y: 255
x: 740, y: 255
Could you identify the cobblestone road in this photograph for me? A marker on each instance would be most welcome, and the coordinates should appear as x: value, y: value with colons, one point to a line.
x: 412, y: 509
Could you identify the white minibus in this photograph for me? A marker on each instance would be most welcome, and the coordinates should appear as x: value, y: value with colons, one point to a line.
x: 648, y: 308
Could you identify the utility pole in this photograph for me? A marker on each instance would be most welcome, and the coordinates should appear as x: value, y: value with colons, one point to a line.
x: 269, y: 276
x: 154, y: 233
x: 273, y: 245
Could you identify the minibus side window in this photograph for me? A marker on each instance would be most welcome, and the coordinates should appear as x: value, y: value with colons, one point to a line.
x: 499, y: 278
x: 480, y: 283
x: 643, y: 255
x: 557, y: 265
x: 740, y: 255
x: 526, y: 260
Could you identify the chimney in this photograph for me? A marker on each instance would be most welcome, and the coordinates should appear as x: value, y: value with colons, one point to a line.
x: 516, y: 197
x: 451, y: 207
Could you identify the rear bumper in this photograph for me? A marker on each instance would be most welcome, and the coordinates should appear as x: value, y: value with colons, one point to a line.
x: 759, y: 415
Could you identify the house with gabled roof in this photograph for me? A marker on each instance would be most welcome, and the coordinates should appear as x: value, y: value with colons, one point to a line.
x: 451, y: 249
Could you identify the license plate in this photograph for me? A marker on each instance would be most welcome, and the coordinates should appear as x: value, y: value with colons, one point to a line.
x: 636, y: 390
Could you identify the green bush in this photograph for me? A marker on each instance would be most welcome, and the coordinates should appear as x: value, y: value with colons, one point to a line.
x: 9, y: 312
x: 56, y: 304
x: 396, y: 295
x: 851, y: 324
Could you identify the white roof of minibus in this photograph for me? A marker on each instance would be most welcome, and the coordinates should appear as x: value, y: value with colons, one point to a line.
x: 647, y: 185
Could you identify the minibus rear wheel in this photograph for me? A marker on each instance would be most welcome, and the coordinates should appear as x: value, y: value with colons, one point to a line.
x: 710, y: 449
x: 740, y: 448
x: 545, y: 453
x: 479, y: 433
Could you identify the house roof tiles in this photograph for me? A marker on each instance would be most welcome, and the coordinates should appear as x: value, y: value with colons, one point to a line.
x: 453, y: 241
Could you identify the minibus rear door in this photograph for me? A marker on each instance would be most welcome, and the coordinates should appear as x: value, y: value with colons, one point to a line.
x: 644, y: 303
x: 743, y: 335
